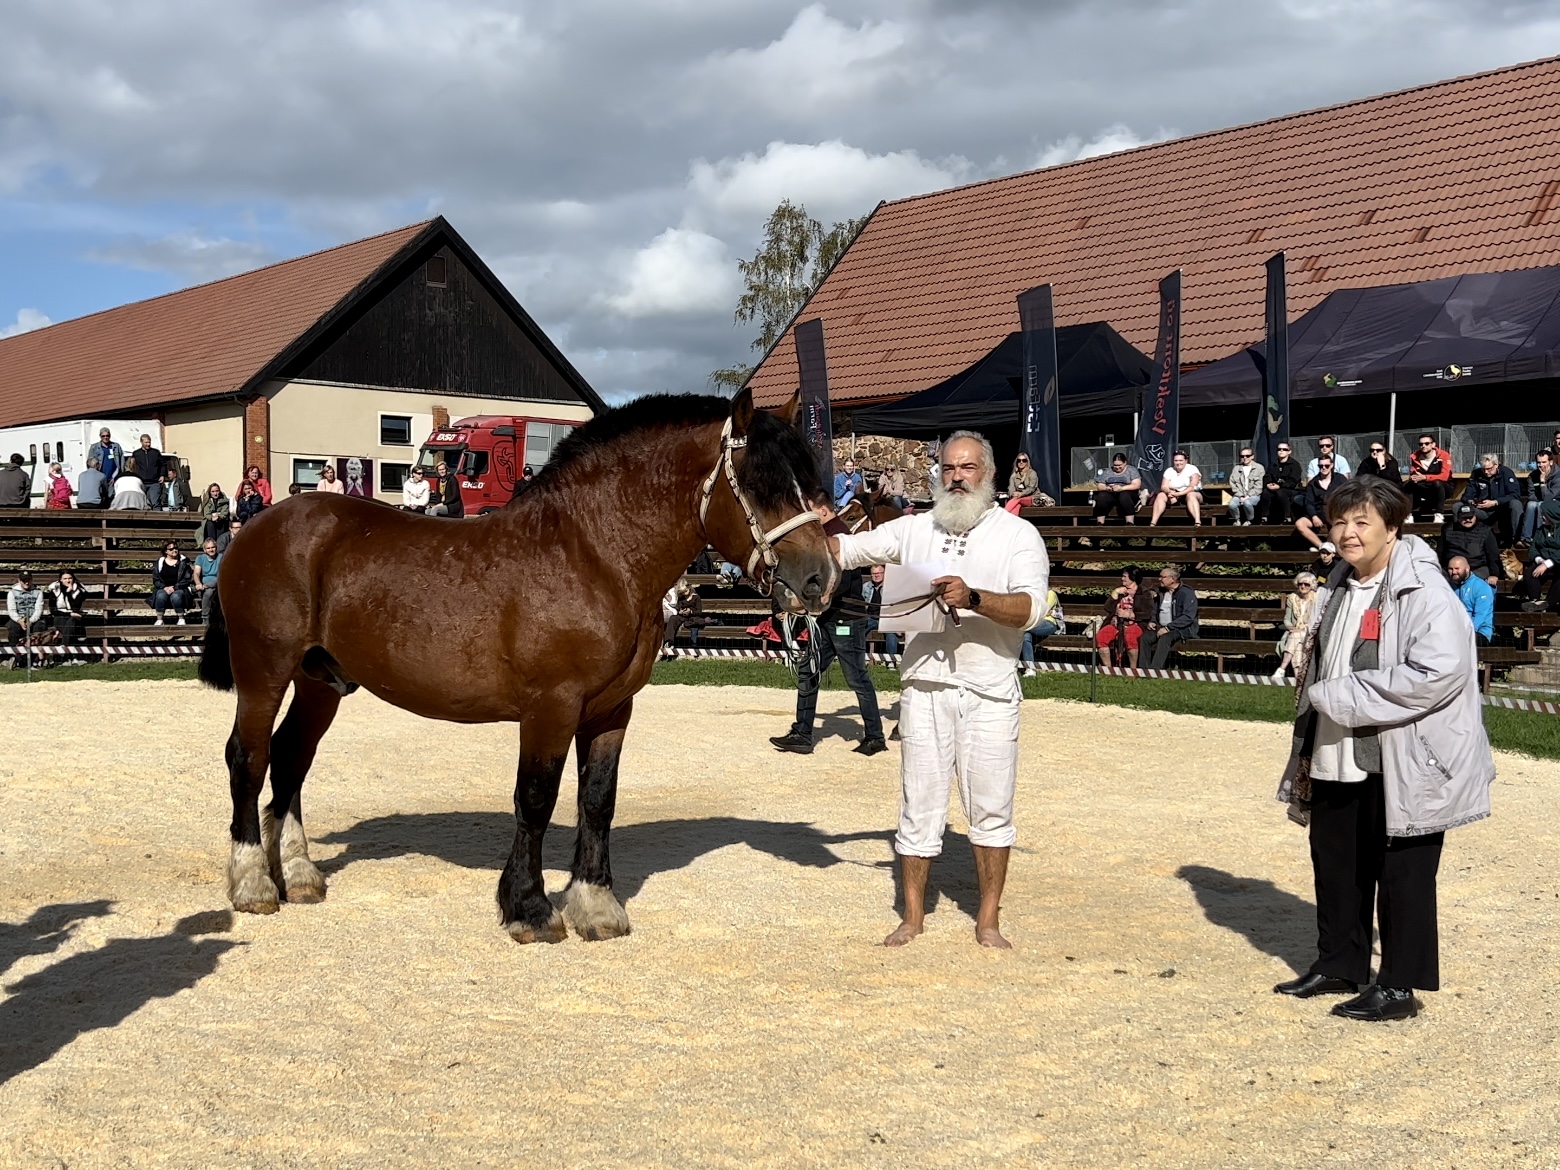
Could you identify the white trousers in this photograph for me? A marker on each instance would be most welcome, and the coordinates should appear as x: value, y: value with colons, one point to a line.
x: 948, y: 730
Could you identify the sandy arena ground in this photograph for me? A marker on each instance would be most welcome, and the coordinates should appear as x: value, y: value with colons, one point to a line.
x: 750, y: 1019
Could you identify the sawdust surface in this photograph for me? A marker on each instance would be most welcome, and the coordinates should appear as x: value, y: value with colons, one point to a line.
x: 1156, y: 895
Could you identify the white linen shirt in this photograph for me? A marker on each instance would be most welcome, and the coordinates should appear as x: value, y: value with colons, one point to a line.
x: 1001, y: 554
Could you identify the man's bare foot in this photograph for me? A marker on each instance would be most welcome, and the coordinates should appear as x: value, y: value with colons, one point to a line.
x: 906, y: 931
x: 990, y: 936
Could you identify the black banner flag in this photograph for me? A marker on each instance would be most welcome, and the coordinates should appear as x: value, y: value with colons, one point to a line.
x: 1159, y: 425
x: 1273, y: 415
x: 813, y: 420
x: 1042, y: 424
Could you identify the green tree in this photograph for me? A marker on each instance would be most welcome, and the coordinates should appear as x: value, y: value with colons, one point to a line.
x: 794, y: 256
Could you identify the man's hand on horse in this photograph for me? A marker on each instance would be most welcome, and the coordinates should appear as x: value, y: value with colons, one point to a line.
x: 955, y: 592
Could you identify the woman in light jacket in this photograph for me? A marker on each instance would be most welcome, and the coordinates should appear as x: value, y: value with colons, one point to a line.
x: 1022, y: 485
x: 1389, y: 753
x: 1297, y: 621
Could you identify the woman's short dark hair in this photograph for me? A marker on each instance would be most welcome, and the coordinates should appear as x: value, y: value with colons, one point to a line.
x: 1385, y: 499
x: 1133, y: 573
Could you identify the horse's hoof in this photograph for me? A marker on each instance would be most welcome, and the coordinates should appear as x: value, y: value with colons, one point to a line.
x: 594, y: 912
x: 250, y: 888
x: 302, y: 882
x: 256, y: 907
x: 524, y: 932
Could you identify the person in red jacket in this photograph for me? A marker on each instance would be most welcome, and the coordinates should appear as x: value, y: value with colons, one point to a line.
x: 262, y: 486
x: 1429, y: 473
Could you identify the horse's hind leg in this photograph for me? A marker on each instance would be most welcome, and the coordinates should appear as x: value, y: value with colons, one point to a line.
x: 250, y: 887
x: 589, y: 905
x: 308, y: 717
x: 522, y: 899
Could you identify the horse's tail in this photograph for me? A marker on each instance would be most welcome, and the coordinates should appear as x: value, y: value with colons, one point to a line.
x: 216, y: 656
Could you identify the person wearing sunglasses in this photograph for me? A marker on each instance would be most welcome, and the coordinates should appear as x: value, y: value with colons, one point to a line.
x: 1382, y: 464
x: 1311, y: 525
x: 1327, y: 448
x: 1429, y: 473
x: 1245, y: 487
x: 1280, y: 503
x: 1022, y: 485
x: 173, y: 583
x: 1297, y: 620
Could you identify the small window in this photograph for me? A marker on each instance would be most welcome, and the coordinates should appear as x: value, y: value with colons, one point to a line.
x: 395, y: 430
x: 307, y: 471
x: 393, y: 476
x: 434, y: 272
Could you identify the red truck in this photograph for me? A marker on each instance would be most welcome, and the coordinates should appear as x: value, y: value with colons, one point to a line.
x: 488, y: 453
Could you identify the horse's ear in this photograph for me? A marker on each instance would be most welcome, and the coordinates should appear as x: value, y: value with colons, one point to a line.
x: 741, y: 413
x: 787, y: 413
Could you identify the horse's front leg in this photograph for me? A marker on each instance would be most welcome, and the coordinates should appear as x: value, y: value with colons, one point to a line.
x: 589, y: 905
x: 522, y: 899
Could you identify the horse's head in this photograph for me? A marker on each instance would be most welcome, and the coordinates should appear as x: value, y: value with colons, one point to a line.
x: 755, y: 511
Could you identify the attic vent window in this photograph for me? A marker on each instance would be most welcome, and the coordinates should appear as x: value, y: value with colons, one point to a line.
x: 434, y: 272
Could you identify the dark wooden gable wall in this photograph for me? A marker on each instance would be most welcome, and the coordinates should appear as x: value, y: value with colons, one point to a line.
x: 453, y: 339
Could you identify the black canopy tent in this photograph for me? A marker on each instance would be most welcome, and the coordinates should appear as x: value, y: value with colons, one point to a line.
x: 1478, y: 329
x: 1099, y: 373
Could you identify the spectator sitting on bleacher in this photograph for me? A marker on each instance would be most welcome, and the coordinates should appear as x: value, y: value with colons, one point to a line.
x: 1313, y: 505
x: 129, y: 491
x: 1477, y: 596
x: 173, y: 491
x: 1022, y: 485
x: 23, y: 612
x: 1382, y: 464
x: 57, y: 494
x: 1180, y: 484
x: 1326, y: 558
x: 444, y: 493
x: 208, y: 563
x: 1126, y: 613
x: 1543, y: 484
x: 1493, y: 490
x: 1246, y: 487
x: 415, y: 492
x: 248, y: 504
x: 892, y: 484
x: 847, y: 484
x: 15, y: 485
x: 1326, y: 448
x: 1541, y: 571
x: 1280, y: 502
x: 1117, y: 490
x: 1463, y: 536
x: 1297, y: 620
x: 1054, y: 621
x: 173, y: 583
x: 225, y: 538
x: 1429, y: 473
x: 254, y: 475
x: 68, y: 602
x: 1175, y: 620
x: 148, y: 465
x: 215, y: 510
x: 92, y: 487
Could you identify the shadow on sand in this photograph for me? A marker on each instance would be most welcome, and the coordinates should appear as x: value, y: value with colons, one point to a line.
x: 98, y: 988
x: 1272, y: 920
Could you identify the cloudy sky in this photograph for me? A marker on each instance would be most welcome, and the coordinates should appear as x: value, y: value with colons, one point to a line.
x: 611, y: 159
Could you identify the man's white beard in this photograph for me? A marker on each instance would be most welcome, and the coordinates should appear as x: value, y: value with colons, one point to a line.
x: 958, y: 511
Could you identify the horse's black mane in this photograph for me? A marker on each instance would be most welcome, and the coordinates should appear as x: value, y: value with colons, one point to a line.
x: 777, y: 460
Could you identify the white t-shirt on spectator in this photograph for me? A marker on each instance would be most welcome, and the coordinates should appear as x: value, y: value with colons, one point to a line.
x: 1177, y: 481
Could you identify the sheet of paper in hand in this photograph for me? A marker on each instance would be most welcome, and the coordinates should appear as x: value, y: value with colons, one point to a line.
x: 912, y: 581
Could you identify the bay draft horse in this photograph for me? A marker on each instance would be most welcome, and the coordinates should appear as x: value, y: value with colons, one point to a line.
x: 864, y: 515
x: 546, y: 613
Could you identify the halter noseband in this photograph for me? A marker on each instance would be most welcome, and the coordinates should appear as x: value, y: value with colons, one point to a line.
x: 763, y: 542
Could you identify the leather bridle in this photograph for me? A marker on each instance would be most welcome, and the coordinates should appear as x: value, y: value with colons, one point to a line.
x: 763, y: 541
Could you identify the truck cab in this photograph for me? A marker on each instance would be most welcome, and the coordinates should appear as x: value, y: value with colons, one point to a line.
x: 488, y: 453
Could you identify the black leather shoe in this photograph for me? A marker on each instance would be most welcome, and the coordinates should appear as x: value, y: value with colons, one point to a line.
x: 802, y: 745
x: 870, y: 747
x: 1313, y: 984
x: 1377, y: 1003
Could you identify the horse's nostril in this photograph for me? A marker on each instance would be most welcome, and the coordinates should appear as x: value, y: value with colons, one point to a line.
x: 812, y: 588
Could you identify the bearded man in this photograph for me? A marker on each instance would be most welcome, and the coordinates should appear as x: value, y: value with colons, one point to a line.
x: 960, y: 702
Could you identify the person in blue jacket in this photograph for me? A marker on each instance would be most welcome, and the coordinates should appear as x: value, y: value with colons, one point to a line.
x: 1477, y: 597
x: 847, y: 484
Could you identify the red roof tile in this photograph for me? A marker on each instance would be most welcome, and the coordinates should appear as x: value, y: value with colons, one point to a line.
x: 197, y: 343
x: 1459, y: 176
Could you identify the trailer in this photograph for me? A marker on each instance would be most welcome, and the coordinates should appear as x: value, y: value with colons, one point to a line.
x: 67, y: 443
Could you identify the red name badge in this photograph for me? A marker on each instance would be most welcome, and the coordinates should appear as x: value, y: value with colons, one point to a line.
x: 1370, y: 626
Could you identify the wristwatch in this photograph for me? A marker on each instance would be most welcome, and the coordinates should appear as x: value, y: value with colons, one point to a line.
x: 974, y: 599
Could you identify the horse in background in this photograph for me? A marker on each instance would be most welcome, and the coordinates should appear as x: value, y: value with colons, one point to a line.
x: 875, y: 511
x: 545, y: 613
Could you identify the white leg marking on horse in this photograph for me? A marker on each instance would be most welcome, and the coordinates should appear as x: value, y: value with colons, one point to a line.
x: 270, y: 841
x: 250, y: 887
x: 301, y: 879
x: 594, y: 912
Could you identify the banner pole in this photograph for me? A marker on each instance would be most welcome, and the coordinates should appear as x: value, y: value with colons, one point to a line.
x: 1391, y: 422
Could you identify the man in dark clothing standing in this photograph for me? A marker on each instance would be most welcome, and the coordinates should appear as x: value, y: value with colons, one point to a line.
x: 1175, y: 619
x: 1280, y: 490
x: 1463, y: 536
x: 843, y: 636
x: 15, y: 485
x: 148, y: 469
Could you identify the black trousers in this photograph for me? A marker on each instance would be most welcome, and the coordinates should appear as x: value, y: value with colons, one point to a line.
x: 1106, y: 502
x: 1156, y: 648
x: 1278, y: 507
x: 1429, y: 497
x: 851, y: 649
x: 1359, y: 869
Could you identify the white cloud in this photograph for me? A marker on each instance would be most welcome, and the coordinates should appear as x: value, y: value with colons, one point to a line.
x: 186, y: 254
x: 833, y: 179
x: 680, y: 271
x: 26, y: 321
x: 1108, y: 141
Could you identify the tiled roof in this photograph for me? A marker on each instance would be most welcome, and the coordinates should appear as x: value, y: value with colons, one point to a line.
x: 197, y: 343
x: 1460, y: 176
